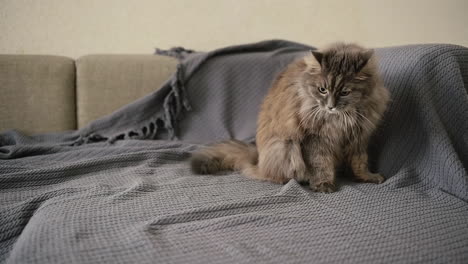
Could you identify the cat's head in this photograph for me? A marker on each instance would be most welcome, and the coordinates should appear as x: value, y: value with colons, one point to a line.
x: 339, y: 77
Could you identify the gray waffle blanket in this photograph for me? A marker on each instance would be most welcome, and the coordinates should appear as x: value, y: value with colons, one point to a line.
x: 104, y: 194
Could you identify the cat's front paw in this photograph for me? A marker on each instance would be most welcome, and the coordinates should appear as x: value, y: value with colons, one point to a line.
x: 323, y: 187
x: 371, y: 178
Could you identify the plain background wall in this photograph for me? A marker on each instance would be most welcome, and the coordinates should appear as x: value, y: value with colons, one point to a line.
x: 77, y: 27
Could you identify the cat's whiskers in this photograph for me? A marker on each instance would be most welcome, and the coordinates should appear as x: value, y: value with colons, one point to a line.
x: 349, y: 122
x: 344, y: 121
x: 367, y: 124
x: 308, y: 115
x: 317, y: 114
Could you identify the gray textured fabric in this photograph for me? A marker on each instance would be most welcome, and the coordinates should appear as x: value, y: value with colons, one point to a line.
x: 136, y: 201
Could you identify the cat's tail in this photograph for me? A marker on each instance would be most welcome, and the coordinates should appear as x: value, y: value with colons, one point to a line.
x: 231, y: 155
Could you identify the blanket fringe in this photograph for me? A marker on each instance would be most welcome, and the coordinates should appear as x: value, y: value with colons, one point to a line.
x: 175, y: 103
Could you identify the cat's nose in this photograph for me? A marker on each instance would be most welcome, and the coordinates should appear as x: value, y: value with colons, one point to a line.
x: 331, y: 108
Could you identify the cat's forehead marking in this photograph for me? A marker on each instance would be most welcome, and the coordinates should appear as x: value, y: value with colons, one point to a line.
x: 341, y: 60
x: 335, y: 82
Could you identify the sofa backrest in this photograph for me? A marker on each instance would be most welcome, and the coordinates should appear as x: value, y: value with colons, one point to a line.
x: 41, y: 93
x: 107, y: 82
x: 37, y: 93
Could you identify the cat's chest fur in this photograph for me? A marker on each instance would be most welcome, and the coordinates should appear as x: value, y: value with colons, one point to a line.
x: 331, y: 128
x: 332, y: 131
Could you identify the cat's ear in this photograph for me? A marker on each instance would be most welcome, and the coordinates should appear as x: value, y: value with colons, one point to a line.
x: 314, y: 60
x: 365, y: 56
x: 317, y: 55
x: 362, y: 73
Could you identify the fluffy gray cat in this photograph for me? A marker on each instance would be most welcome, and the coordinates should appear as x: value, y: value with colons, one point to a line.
x: 319, y: 113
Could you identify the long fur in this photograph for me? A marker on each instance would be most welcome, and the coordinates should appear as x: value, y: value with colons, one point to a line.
x: 319, y: 113
x: 229, y: 155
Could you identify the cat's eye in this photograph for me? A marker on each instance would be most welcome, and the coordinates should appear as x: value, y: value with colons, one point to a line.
x: 344, y: 92
x: 322, y: 90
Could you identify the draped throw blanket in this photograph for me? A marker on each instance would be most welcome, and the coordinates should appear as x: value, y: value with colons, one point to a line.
x: 120, y: 190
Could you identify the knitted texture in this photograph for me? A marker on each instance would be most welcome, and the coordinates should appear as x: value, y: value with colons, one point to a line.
x: 136, y: 201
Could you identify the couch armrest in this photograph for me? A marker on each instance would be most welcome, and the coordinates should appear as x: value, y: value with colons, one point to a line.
x: 108, y: 82
x: 37, y: 93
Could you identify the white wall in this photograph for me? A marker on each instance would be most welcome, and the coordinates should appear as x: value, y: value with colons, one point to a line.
x: 77, y: 27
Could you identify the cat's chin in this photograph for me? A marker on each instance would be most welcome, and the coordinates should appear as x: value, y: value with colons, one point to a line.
x: 332, y: 112
x: 338, y: 111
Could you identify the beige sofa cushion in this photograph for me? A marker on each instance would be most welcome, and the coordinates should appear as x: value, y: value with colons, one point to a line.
x: 37, y: 93
x: 108, y: 82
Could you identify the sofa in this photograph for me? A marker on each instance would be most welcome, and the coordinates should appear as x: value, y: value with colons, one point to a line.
x: 44, y: 93
x: 85, y: 196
